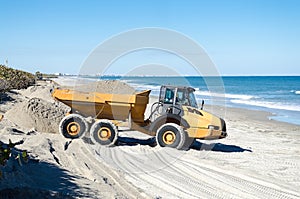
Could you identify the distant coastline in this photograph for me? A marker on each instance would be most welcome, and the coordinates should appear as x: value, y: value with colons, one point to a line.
x: 225, y: 75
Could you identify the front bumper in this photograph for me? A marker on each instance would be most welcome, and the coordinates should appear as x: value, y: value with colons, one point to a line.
x: 223, y: 135
x: 212, y: 132
x: 224, y: 129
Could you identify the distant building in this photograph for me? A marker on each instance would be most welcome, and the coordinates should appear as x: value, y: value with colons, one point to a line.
x: 58, y: 74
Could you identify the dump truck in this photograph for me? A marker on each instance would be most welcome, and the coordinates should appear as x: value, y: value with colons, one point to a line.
x: 175, y: 118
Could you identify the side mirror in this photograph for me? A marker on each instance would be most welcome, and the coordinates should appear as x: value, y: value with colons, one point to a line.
x: 202, y: 104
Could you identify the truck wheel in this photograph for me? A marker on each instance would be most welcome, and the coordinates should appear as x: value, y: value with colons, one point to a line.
x: 171, y: 135
x: 187, y: 143
x: 73, y: 126
x: 104, y: 132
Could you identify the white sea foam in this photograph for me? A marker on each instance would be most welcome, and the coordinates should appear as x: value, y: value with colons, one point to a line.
x: 141, y: 87
x: 225, y: 95
x: 295, y: 92
x: 272, y: 105
x: 144, y: 87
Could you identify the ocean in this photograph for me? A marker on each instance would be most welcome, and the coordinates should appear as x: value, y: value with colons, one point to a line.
x: 279, y: 95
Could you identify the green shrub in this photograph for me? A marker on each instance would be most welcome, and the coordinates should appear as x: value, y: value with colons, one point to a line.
x: 14, y: 79
x: 3, y: 85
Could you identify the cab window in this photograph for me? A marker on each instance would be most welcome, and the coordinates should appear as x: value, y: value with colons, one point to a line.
x: 169, y: 96
x: 192, y: 100
x: 181, y: 97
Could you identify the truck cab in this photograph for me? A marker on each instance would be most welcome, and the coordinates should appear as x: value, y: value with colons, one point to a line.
x: 178, y: 96
x: 178, y: 105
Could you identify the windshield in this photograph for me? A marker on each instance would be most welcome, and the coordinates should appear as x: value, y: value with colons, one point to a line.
x: 181, y: 96
x: 186, y: 97
x: 192, y: 100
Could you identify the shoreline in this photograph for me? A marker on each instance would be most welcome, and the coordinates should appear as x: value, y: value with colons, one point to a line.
x: 256, y: 115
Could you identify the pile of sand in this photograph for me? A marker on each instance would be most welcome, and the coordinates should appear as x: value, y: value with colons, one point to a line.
x: 106, y: 86
x: 38, y: 114
x: 39, y: 91
x: 42, y: 113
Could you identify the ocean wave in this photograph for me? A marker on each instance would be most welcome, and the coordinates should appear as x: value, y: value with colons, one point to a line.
x: 144, y: 86
x: 225, y: 95
x: 295, y: 92
x: 272, y: 105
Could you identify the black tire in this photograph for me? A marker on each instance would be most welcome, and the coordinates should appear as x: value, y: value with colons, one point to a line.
x: 104, y: 133
x: 171, y: 135
x: 73, y: 126
x: 188, y: 142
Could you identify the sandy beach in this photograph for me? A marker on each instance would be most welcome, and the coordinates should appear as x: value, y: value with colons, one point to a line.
x: 260, y: 158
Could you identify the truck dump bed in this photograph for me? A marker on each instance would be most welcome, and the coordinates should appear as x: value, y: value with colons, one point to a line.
x: 105, y: 105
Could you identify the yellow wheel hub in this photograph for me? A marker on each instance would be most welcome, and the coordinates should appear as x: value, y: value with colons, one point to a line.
x: 169, y: 137
x: 104, y: 133
x: 73, y: 128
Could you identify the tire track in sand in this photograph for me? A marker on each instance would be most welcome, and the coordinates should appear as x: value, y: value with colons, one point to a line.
x: 100, y: 170
x: 177, y: 179
x: 249, y: 185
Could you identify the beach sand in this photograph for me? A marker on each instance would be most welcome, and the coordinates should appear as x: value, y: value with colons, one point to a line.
x: 260, y: 158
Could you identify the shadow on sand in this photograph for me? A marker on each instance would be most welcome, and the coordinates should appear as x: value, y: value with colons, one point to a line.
x: 4, y: 98
x: 128, y: 141
x: 39, y: 180
x: 218, y: 147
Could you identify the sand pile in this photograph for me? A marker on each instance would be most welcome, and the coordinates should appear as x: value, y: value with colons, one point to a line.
x: 106, y: 86
x: 39, y: 114
x: 40, y: 91
x: 42, y: 113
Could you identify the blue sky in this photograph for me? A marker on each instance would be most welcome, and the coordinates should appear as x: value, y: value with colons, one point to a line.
x: 243, y: 37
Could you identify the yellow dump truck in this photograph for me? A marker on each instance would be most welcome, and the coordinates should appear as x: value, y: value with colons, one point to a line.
x: 174, y: 119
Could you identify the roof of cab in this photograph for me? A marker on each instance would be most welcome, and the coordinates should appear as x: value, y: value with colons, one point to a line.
x: 180, y: 87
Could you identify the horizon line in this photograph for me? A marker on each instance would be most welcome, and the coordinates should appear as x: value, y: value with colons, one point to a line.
x: 224, y: 75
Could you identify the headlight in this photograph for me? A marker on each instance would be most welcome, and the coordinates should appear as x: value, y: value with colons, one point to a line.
x: 212, y: 127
